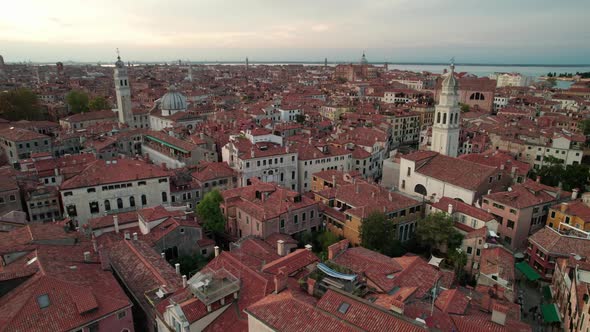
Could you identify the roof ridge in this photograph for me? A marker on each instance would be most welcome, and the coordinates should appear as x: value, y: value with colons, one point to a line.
x: 143, y: 260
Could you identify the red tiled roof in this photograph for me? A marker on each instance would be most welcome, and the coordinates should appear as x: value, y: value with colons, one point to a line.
x: 555, y: 243
x: 78, y: 293
x: 285, y: 312
x: 99, y: 172
x: 211, y: 171
x: 464, y: 208
x: 380, y: 269
x: 525, y: 194
x: 452, y: 301
x: 365, y: 316
x: 458, y: 172
x: 16, y: 134
x: 292, y: 262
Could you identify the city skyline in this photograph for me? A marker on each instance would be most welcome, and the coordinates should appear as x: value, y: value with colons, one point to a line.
x: 397, y: 31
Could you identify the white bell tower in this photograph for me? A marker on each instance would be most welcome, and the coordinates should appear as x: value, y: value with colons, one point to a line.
x: 123, y: 92
x: 446, y: 127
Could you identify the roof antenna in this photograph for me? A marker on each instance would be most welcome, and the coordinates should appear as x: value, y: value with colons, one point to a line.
x: 118, y: 55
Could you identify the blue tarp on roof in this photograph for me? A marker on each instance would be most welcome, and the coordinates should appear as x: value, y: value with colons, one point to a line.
x: 324, y: 268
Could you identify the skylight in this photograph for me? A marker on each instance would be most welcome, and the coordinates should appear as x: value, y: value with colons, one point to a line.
x: 43, y: 301
x: 343, y: 308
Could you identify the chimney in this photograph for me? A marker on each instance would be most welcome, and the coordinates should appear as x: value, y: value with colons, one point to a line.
x: 86, y: 256
x: 334, y: 180
x: 177, y: 268
x: 134, y: 236
x: 502, y: 167
x: 310, y: 286
x: 489, y: 191
x: 116, y: 223
x: 56, y: 171
x: 216, y: 248
x: 337, y: 248
x: 184, y: 281
x: 538, y: 179
x: 94, y: 244
x: 127, y: 236
x: 575, y: 193
x: 390, y: 197
x: 450, y: 209
x: 281, y: 280
x: 281, y: 251
x: 163, y: 255
x: 514, y: 168
x: 397, y: 305
x: 308, y: 247
x: 499, y: 314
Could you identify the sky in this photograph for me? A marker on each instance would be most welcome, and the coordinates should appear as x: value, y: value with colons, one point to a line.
x: 472, y: 31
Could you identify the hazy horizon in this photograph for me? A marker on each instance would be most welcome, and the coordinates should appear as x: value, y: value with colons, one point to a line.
x: 398, y: 31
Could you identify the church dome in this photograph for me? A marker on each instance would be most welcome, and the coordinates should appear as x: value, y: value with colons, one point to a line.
x: 364, y: 60
x: 173, y: 100
x: 119, y: 63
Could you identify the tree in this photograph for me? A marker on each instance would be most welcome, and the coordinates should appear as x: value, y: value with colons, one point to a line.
x: 585, y: 125
x: 378, y: 233
x: 436, y: 231
x: 20, y: 104
x: 554, y: 172
x: 77, y: 101
x: 300, y: 118
x: 457, y: 258
x: 98, y: 103
x: 550, y: 74
x: 464, y: 107
x: 210, y: 213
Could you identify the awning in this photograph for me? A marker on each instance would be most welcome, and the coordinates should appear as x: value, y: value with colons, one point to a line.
x: 550, y: 314
x: 170, y: 145
x: 528, y: 271
x: 547, y: 293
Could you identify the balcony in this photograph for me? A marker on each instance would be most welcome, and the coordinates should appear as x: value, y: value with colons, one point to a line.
x: 210, y: 286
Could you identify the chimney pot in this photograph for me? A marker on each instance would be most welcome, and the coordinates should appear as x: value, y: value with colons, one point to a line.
x: 216, y: 250
x: 177, y: 268
x: 135, y: 236
x: 163, y: 255
x: 450, y: 209
x: 538, y: 179
x: 184, y: 281
x: 116, y: 223
x: 281, y: 250
x: 308, y: 247
x: 87, y: 256
x: 127, y: 236
x: 575, y: 193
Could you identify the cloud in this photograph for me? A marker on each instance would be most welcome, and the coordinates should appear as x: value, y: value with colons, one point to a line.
x: 320, y: 27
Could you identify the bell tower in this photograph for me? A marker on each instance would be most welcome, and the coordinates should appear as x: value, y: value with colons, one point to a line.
x: 446, y: 127
x: 123, y: 92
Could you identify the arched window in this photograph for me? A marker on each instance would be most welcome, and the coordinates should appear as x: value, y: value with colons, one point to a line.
x: 420, y: 189
x: 119, y: 203
x: 131, y: 201
x: 438, y: 117
x: 164, y: 197
x: 107, y: 205
x: 444, y: 118
x: 477, y: 96
x: 143, y: 200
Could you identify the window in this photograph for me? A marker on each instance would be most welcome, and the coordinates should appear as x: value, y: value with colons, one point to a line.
x: 552, y: 214
x: 164, y: 197
x: 119, y: 203
x: 295, y: 219
x: 131, y: 201
x: 311, y: 213
x: 343, y: 308
x: 143, y: 200
x: 12, y: 198
x: 513, y: 211
x: 498, y: 206
x: 567, y: 219
x: 292, y: 175
x: 162, y: 180
x: 94, y: 207
x: 282, y: 223
x: 91, y: 190
x: 469, y: 250
x: 182, y: 230
x: 141, y: 183
x: 121, y: 314
x: 510, y: 224
x: 477, y: 252
x: 508, y: 239
x: 409, y: 171
x: 67, y: 193
x: 107, y: 205
x: 71, y: 210
x: 43, y: 301
x: 403, y: 184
